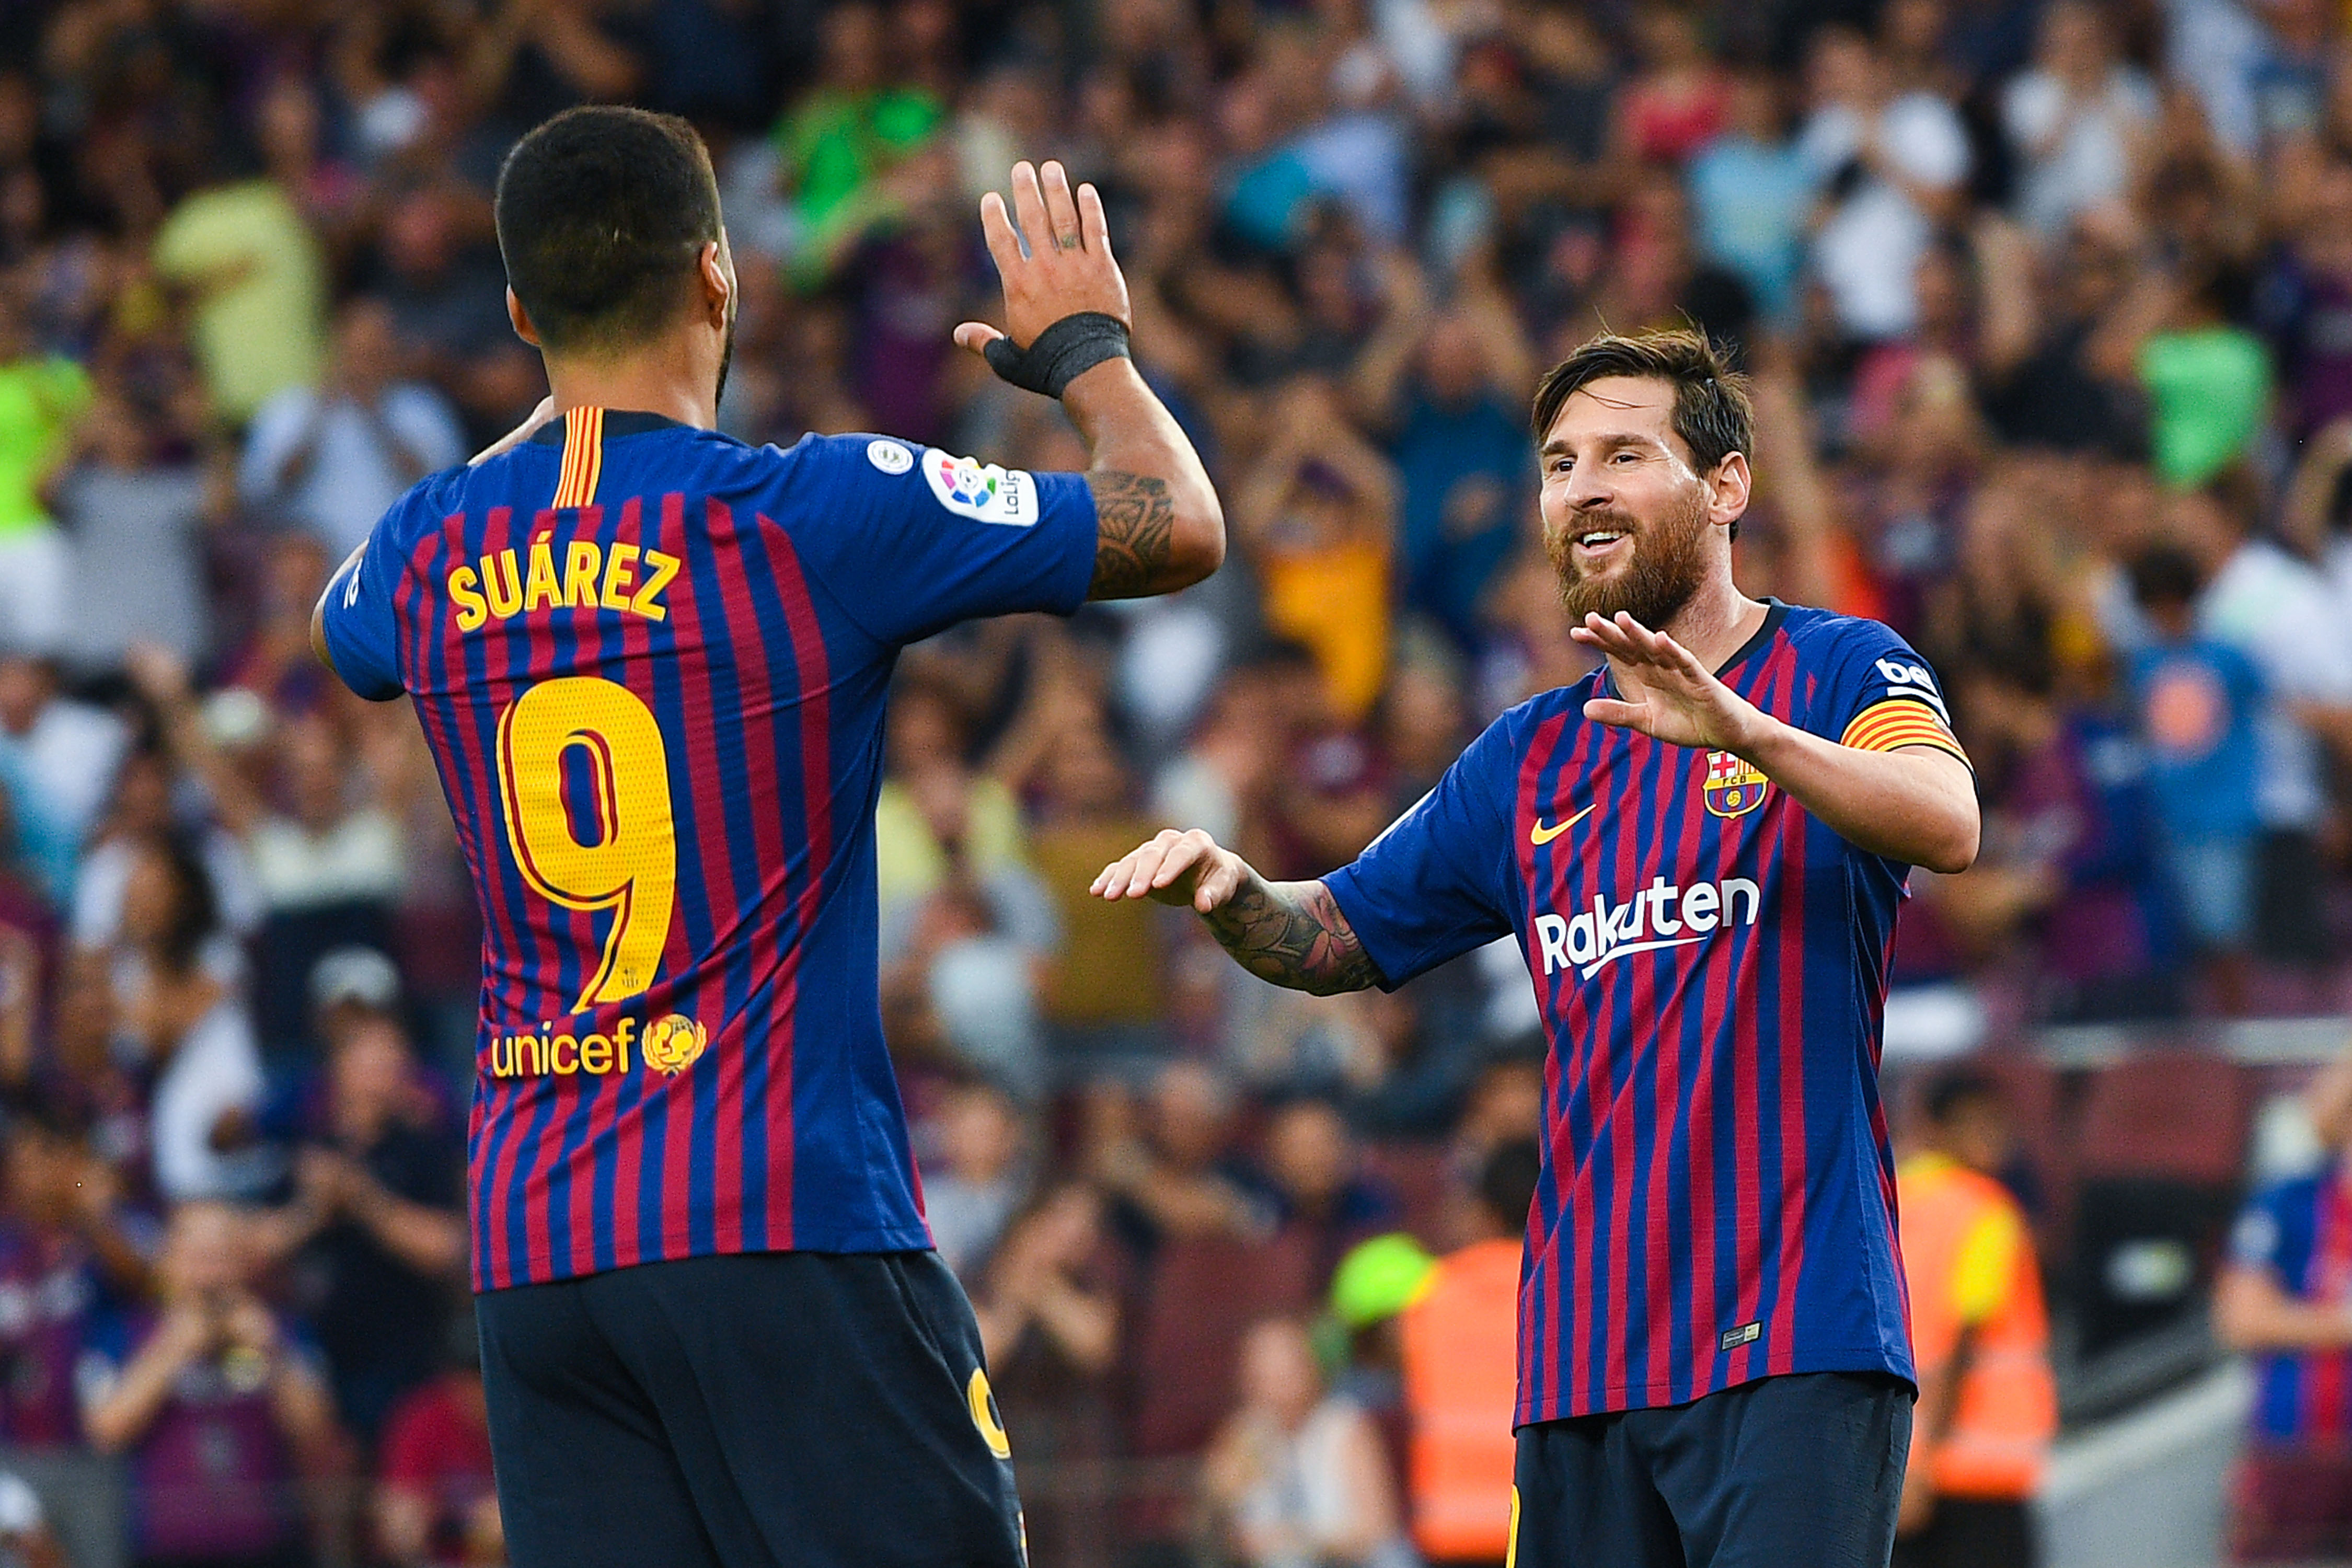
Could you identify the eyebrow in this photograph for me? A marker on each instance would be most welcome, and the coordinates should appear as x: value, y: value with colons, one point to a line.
x: 1607, y: 439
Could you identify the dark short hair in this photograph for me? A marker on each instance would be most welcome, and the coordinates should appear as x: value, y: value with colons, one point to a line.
x: 1954, y: 1090
x: 1713, y: 415
x: 2164, y: 575
x: 602, y: 213
x: 1506, y: 1181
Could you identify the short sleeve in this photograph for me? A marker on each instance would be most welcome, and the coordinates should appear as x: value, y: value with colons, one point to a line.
x: 1434, y: 885
x: 359, y: 616
x: 1880, y: 696
x: 910, y: 540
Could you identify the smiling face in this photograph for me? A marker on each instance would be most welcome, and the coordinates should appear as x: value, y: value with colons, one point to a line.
x: 1627, y: 521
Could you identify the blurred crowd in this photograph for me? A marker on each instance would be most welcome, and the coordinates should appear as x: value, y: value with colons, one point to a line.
x: 2048, y: 306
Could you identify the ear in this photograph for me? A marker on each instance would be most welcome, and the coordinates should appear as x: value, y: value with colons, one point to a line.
x: 717, y: 282
x: 1728, y: 486
x: 521, y: 319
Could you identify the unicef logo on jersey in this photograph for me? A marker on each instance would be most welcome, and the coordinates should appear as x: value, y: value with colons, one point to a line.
x: 981, y: 492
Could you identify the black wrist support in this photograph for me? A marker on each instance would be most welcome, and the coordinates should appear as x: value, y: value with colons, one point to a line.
x: 1061, y: 353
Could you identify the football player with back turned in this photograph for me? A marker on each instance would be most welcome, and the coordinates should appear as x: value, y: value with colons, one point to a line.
x: 651, y: 663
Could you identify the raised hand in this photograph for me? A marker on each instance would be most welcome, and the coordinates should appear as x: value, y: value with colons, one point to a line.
x: 1069, y: 268
x: 1670, y: 696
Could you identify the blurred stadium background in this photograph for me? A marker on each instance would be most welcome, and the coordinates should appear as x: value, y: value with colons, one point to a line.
x: 2049, y: 309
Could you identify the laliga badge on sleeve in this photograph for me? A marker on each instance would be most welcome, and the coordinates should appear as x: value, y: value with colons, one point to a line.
x: 981, y: 492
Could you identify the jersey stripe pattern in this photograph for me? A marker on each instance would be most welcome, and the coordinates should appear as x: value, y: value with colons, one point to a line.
x: 650, y: 663
x: 1717, y: 1196
x: 2300, y: 1232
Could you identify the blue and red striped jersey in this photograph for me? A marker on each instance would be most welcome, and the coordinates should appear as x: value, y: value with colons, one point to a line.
x: 1717, y: 1196
x: 651, y: 663
x: 2300, y: 1232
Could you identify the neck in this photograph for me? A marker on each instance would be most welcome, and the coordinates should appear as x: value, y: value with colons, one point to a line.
x: 669, y: 379
x: 1716, y: 622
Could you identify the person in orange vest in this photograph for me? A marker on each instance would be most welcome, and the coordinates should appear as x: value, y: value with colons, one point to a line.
x: 1460, y: 1350
x: 1988, y: 1404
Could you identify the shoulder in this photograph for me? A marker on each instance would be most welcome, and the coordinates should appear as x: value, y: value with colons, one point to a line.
x: 1825, y: 634
x: 1516, y: 729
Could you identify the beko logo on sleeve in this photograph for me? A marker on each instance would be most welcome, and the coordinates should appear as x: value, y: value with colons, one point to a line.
x: 981, y: 492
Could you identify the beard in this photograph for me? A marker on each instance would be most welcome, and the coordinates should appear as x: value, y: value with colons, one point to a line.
x: 1669, y: 564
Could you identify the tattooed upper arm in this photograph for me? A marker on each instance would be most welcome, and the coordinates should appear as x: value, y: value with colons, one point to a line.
x: 1135, y: 530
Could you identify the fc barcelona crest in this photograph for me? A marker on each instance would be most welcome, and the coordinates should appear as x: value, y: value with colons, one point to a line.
x: 1733, y: 788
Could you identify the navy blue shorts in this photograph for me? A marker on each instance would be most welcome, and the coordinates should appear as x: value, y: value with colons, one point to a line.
x: 1799, y: 1471
x: 821, y: 1410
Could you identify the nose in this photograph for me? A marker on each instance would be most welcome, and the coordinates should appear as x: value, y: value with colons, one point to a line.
x: 1588, y: 487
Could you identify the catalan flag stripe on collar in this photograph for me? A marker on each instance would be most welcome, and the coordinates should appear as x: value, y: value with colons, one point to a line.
x: 583, y: 459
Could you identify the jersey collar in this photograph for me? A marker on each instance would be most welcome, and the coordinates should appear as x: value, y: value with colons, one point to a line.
x: 1775, y: 612
x: 618, y: 421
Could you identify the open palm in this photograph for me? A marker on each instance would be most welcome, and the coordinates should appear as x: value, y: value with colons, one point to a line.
x: 1669, y: 695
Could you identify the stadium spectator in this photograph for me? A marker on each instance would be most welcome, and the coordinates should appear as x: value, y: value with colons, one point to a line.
x: 1050, y: 1315
x: 2270, y: 604
x: 2196, y: 702
x: 1443, y: 390
x: 138, y: 505
x: 2072, y: 119
x: 979, y: 1178
x: 1315, y: 516
x: 333, y: 458
x: 191, y: 1030
x: 1461, y: 1363
x: 58, y: 757
x: 1185, y: 1177
x: 1321, y: 1192
x: 374, y: 1238
x: 1297, y: 1476
x: 68, y: 1251
x: 433, y: 1501
x: 42, y: 398
x: 255, y: 282
x: 1987, y: 1402
x: 214, y: 1401
x: 1891, y: 164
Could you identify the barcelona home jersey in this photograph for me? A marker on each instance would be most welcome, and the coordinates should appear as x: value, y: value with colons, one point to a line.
x: 1717, y: 1196
x: 651, y: 664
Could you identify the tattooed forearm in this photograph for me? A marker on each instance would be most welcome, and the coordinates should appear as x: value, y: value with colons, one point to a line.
x: 1135, y: 521
x: 1293, y: 934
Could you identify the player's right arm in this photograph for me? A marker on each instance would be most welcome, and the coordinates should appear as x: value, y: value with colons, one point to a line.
x: 1439, y: 882
x: 1292, y: 934
x: 1159, y: 527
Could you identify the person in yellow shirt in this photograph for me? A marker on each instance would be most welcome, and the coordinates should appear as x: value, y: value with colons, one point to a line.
x: 1988, y: 1405
x: 1316, y: 513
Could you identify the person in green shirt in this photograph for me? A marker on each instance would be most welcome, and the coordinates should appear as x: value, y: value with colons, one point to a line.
x: 259, y: 283
x: 42, y: 398
x: 842, y: 139
x: 2209, y: 386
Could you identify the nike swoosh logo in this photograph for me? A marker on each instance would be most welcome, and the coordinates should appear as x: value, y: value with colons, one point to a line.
x: 1540, y: 834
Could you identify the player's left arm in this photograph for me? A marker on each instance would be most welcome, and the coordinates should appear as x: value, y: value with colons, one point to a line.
x: 1159, y: 527
x: 1916, y: 803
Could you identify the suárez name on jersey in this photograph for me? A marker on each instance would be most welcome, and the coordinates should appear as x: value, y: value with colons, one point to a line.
x: 618, y: 576
x: 1660, y: 915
